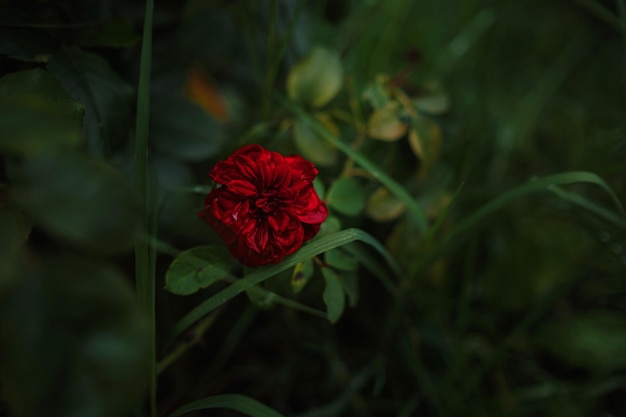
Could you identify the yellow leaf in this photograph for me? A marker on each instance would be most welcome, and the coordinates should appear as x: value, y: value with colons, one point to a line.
x: 383, y: 206
x: 425, y: 141
x: 386, y: 123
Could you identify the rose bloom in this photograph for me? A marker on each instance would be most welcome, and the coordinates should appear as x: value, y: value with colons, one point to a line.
x: 265, y: 206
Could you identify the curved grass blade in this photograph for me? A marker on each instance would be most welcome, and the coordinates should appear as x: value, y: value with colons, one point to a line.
x: 589, y: 205
x: 237, y: 402
x: 259, y: 275
x: 416, y: 212
x: 461, y: 231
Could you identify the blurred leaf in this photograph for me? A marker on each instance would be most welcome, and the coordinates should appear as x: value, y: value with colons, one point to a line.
x: 434, y: 104
x: 108, y: 99
x: 314, y: 147
x: 339, y: 259
x: 26, y: 45
x: 36, y: 113
x: 387, y: 123
x: 183, y: 129
x: 73, y: 342
x: 203, y: 91
x: 78, y: 199
x: 178, y: 200
x: 208, y: 32
x: 316, y: 79
x: 118, y: 32
x: 425, y: 141
x: 346, y: 196
x: 197, y: 268
x: 334, y: 297
x: 41, y: 84
x: 301, y: 275
x: 376, y: 92
x: 383, y: 206
x: 350, y: 283
x: 593, y: 341
x: 14, y: 231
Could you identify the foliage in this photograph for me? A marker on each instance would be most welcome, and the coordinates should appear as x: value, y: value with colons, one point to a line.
x: 471, y: 157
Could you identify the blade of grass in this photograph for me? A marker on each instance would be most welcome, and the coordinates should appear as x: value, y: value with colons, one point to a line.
x: 589, y: 205
x: 416, y: 212
x: 237, y: 402
x: 144, y: 253
x: 259, y: 275
x: 602, y: 13
x: 463, y: 228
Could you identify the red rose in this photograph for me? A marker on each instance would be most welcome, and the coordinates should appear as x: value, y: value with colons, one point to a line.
x: 265, y: 206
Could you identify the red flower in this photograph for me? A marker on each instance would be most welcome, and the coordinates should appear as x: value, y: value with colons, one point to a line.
x: 265, y: 206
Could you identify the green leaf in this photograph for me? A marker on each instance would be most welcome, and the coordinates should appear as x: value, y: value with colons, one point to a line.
x: 108, y: 99
x: 73, y: 341
x: 313, y: 146
x: 197, y: 268
x: 595, y: 341
x: 316, y: 79
x: 340, y: 259
x: 333, y: 296
x: 78, y: 199
x: 36, y: 95
x: 347, y: 196
x: 301, y: 275
x: 308, y: 251
x: 237, y: 402
x: 183, y: 129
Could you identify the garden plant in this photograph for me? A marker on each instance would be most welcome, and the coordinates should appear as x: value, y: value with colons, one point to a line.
x: 312, y: 208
